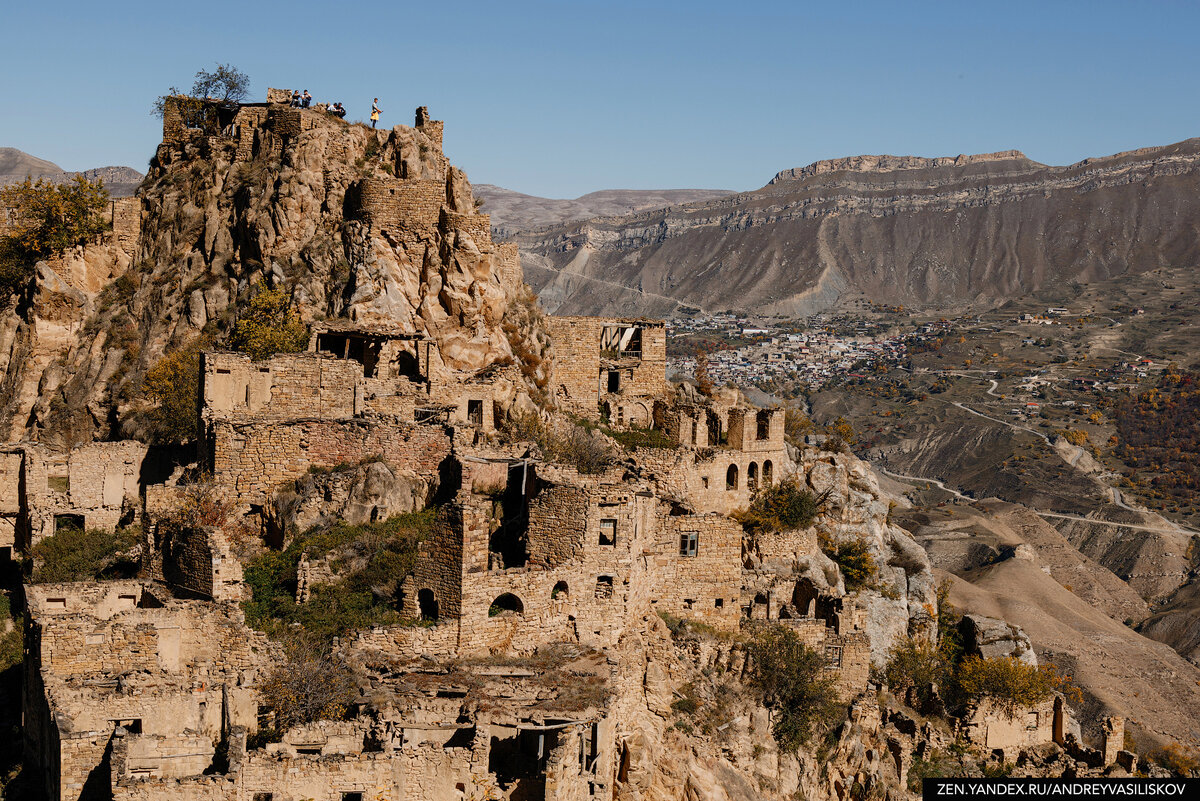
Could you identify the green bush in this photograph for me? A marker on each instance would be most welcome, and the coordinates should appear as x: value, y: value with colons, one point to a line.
x: 785, y: 506
x: 11, y: 642
x: 362, y: 598
x: 854, y: 559
x: 641, y: 438
x: 72, y: 554
x: 268, y: 325
x: 793, y: 679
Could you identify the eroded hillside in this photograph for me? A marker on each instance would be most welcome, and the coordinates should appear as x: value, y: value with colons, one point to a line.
x: 901, y: 230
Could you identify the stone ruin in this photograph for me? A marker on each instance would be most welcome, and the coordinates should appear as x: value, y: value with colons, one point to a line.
x: 535, y: 575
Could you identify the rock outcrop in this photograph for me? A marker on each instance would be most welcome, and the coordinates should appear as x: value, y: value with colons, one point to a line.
x: 352, y: 222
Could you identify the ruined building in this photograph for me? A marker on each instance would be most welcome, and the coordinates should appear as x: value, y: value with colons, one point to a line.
x: 532, y: 659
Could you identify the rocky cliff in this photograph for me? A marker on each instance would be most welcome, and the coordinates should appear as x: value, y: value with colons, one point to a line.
x: 295, y: 200
x: 915, y: 231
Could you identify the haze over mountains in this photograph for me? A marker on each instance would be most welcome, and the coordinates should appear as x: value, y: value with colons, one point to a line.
x: 16, y: 166
x: 905, y: 230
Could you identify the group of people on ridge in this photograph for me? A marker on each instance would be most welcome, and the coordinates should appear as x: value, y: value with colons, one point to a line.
x: 304, y: 100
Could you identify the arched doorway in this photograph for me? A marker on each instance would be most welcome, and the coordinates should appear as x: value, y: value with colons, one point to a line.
x: 506, y: 604
x: 428, y: 605
x: 731, y: 478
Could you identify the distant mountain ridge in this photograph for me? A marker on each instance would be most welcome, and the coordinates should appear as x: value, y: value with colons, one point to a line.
x: 939, y: 232
x: 513, y: 212
x: 17, y: 165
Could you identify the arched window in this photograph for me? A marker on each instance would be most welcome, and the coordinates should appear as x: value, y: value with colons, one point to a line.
x: 768, y: 472
x: 561, y: 592
x: 731, y: 477
x: 506, y: 604
x: 752, y: 477
x: 428, y: 604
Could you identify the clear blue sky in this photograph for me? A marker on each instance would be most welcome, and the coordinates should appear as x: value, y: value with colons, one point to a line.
x: 563, y: 98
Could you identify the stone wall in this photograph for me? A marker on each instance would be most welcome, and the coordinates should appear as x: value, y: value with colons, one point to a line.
x: 703, y: 478
x: 405, y: 208
x: 13, y: 516
x: 125, y: 215
x: 98, y: 483
x: 478, y: 226
x: 697, y: 568
x: 990, y: 726
x: 196, y: 561
x: 251, y: 460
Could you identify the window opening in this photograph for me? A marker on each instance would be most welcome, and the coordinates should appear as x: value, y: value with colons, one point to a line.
x: 731, y: 477
x: 688, y: 543
x: 604, y: 586
x: 608, y: 531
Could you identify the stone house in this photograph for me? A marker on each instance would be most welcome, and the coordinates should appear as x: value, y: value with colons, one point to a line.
x: 610, y: 367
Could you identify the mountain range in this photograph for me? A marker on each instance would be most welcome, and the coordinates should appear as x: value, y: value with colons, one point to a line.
x: 925, y: 232
x: 16, y: 166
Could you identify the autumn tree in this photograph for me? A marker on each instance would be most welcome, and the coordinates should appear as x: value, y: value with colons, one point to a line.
x: 173, y: 385
x: 312, y: 684
x: 47, y: 219
x: 225, y: 83
x: 268, y: 325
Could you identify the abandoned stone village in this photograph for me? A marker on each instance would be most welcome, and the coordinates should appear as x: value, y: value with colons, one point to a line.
x: 531, y: 657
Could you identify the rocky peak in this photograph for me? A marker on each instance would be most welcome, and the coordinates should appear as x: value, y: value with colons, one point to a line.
x: 893, y: 163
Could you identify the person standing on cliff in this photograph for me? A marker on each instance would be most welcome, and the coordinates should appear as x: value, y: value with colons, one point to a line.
x: 375, y: 109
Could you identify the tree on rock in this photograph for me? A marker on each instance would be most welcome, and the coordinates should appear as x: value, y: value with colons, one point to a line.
x: 226, y: 83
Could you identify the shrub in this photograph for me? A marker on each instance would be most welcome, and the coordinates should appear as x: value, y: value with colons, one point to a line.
x: 382, y: 554
x: 1178, y: 760
x: 1008, y: 682
x: 312, y: 684
x: 268, y: 325
x: 796, y: 424
x: 916, y: 664
x: 854, y: 559
x: 173, y: 385
x: 785, y: 506
x: 577, y: 445
x: 641, y: 438
x: 792, y: 678
x: 11, y: 642
x: 72, y: 554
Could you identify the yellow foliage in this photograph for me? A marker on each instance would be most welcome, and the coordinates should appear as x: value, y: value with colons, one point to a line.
x: 173, y: 385
x: 268, y: 325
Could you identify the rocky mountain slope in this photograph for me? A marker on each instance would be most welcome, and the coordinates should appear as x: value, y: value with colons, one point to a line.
x: 215, y: 222
x: 16, y: 166
x: 904, y: 230
x: 513, y: 212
